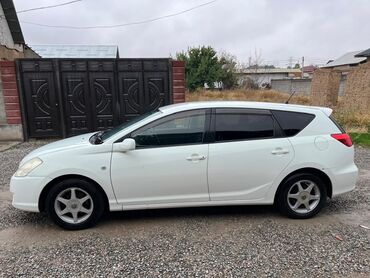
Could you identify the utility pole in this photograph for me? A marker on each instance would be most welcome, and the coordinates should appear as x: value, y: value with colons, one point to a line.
x: 302, y: 66
x: 290, y: 62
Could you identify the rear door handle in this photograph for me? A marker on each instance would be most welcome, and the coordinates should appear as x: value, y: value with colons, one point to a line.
x: 195, y: 157
x: 279, y: 151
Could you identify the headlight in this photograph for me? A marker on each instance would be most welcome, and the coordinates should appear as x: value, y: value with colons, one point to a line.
x: 27, y: 167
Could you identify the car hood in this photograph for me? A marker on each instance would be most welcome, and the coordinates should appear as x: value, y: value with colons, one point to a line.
x: 60, y: 145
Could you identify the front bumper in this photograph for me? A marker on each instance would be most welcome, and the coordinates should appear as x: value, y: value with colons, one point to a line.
x: 26, y: 192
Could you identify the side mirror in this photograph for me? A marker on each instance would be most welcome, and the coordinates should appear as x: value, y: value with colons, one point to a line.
x: 126, y: 145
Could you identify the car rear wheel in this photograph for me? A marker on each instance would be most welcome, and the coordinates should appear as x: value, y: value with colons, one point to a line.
x: 74, y: 204
x: 302, y: 196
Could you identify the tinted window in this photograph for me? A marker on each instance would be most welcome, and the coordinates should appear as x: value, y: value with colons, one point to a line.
x: 292, y: 122
x: 243, y: 126
x: 181, y: 128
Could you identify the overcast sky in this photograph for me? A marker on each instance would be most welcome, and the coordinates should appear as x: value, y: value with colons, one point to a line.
x: 317, y: 29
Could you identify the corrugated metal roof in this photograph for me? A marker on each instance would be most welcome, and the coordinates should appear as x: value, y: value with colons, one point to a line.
x: 365, y: 53
x: 76, y: 51
x: 346, y: 59
x: 262, y: 70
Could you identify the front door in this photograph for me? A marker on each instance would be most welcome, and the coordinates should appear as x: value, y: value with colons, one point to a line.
x: 168, y: 165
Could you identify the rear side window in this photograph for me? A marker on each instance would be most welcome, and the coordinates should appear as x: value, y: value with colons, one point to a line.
x: 236, y: 126
x: 292, y: 122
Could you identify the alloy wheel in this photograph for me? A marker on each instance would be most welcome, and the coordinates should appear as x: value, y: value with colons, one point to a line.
x: 73, y: 205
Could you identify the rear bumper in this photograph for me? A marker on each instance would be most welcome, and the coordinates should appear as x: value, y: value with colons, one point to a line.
x: 26, y: 192
x: 343, y: 178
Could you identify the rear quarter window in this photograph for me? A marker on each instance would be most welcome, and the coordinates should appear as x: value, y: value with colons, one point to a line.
x: 292, y: 122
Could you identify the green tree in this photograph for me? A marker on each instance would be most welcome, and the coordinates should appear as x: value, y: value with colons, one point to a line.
x: 228, y: 75
x: 201, y: 66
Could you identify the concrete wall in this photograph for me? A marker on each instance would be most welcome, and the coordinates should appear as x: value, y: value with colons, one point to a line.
x: 2, y: 105
x: 290, y: 85
x: 260, y: 78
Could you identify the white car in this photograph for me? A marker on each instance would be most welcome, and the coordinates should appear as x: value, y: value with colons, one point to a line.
x: 192, y: 154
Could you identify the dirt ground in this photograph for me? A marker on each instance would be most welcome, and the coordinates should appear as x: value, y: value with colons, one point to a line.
x: 251, y: 241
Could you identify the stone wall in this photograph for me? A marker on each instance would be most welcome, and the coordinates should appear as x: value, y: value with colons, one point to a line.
x: 325, y: 87
x: 357, y: 89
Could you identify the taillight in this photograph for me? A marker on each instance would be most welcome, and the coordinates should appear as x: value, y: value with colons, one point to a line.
x: 344, y: 138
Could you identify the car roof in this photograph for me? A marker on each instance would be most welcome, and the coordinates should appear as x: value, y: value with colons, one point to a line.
x: 244, y: 104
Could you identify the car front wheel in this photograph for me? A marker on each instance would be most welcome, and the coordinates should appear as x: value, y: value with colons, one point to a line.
x: 74, y: 204
x: 302, y: 196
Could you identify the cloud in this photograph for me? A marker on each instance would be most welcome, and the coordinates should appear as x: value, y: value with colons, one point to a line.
x: 318, y: 30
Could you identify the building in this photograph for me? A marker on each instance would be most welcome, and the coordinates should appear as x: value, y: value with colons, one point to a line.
x: 308, y: 71
x: 12, y: 44
x: 263, y: 76
x: 364, y: 54
x: 76, y: 51
x: 346, y: 61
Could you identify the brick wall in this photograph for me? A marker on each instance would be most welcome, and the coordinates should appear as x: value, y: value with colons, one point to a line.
x: 10, y: 92
x: 325, y: 87
x: 178, y: 81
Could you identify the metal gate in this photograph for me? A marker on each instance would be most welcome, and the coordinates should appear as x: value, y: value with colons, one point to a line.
x: 66, y: 97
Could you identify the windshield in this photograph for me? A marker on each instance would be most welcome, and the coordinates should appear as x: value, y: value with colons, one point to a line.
x: 108, y: 133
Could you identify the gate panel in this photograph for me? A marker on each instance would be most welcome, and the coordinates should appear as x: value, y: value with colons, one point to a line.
x: 102, y: 99
x: 75, y: 94
x: 156, y: 90
x: 131, y: 95
x: 66, y: 97
x: 40, y: 100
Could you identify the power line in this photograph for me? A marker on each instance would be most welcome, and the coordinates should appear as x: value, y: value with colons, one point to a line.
x: 49, y: 7
x: 123, y: 24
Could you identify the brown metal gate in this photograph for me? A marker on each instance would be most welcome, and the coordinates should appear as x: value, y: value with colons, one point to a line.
x: 66, y: 97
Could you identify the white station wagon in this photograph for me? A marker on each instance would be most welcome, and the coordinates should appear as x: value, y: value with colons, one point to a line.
x: 192, y: 154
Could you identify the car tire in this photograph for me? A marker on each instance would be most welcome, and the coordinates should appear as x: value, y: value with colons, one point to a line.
x: 74, y: 204
x: 302, y: 196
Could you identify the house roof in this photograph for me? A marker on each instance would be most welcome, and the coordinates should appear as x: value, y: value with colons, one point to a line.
x: 309, y: 69
x: 268, y: 71
x: 76, y: 51
x: 365, y: 53
x: 12, y: 20
x: 349, y: 58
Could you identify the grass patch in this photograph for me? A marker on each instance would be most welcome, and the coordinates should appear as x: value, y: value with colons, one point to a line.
x: 361, y: 138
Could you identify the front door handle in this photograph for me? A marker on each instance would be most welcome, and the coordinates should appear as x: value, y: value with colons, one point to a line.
x: 280, y: 151
x: 195, y: 157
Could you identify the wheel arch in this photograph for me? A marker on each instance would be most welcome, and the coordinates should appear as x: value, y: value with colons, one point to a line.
x: 46, y: 189
x: 308, y: 170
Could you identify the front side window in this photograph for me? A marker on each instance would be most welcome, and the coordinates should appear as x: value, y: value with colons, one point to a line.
x: 239, y: 125
x: 179, y: 129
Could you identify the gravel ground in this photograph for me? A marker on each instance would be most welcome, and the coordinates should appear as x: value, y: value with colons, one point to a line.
x: 237, y: 241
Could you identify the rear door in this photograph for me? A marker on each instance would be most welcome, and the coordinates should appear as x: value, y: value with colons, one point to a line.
x: 248, y: 153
